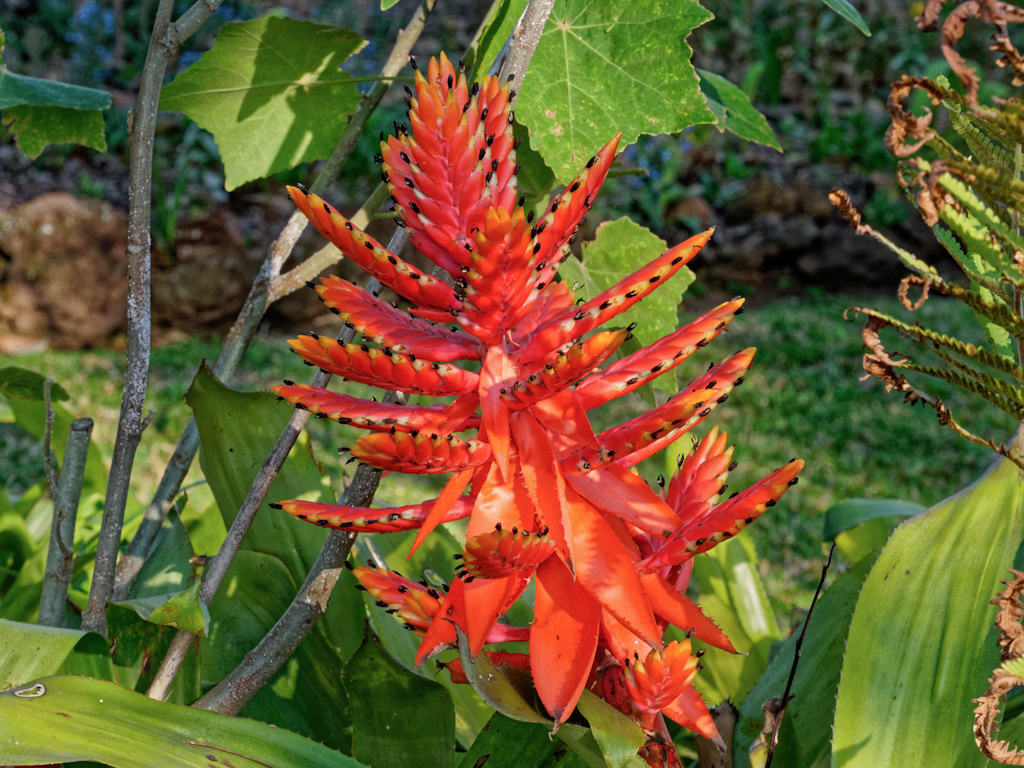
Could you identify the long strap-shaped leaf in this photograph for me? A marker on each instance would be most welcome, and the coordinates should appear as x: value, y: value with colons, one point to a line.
x: 66, y: 719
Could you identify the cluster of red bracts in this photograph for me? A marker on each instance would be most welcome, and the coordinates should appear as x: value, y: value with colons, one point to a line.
x: 546, y: 498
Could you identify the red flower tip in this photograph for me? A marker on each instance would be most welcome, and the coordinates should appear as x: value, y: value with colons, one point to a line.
x: 408, y: 601
x: 505, y: 552
x: 655, y: 682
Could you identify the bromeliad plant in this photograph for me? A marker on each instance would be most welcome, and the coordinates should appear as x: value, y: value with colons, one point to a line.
x: 546, y: 498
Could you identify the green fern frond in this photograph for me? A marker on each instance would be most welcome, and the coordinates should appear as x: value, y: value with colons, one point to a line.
x: 980, y: 143
x: 979, y: 271
x: 936, y: 340
x: 969, y: 385
x: 994, y: 384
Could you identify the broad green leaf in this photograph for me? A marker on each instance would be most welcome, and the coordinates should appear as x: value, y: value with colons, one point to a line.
x: 18, y: 90
x: 859, y: 526
x: 618, y: 736
x: 398, y: 714
x: 386, y: 4
x: 62, y: 719
x: 734, y: 112
x: 601, y: 68
x: 34, y: 128
x: 435, y: 554
x: 168, y: 570
x: 620, y: 248
x: 16, y: 547
x: 140, y: 646
x: 508, y: 743
x: 848, y: 12
x: 271, y: 92
x: 852, y: 512
x: 237, y: 431
x: 921, y: 643
x: 28, y: 651
x: 28, y: 385
x: 733, y: 595
x: 534, y: 177
x: 806, y: 730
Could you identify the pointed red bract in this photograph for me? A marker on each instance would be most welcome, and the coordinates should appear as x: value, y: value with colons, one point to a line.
x: 563, y: 638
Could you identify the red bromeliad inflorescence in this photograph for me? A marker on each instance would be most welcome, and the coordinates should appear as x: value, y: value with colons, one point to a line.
x: 547, y: 498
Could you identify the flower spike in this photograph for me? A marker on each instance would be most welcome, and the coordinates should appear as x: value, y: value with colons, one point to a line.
x: 546, y: 500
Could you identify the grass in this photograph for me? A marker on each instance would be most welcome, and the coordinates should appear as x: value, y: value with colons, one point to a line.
x: 804, y: 397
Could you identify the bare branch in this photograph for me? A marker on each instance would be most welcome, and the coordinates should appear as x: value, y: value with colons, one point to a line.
x: 523, y: 42
x: 48, y: 457
x: 266, y: 289
x: 66, y: 494
x: 129, y: 428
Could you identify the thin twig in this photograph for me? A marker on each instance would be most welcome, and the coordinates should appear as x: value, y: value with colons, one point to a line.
x: 61, y: 557
x: 266, y: 289
x: 142, y: 126
x: 796, y: 660
x: 48, y: 458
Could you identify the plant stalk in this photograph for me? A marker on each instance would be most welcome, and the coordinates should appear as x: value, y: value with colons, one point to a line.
x: 66, y: 494
x: 142, y: 127
x: 268, y: 287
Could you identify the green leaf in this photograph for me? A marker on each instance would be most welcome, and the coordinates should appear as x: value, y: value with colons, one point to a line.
x: 620, y: 248
x: 601, y: 68
x: 16, y: 546
x: 618, y: 736
x: 28, y: 651
x: 138, y: 649
x: 852, y: 512
x: 510, y: 691
x: 271, y: 93
x: 399, y: 714
x: 734, y: 112
x: 386, y: 4
x: 34, y: 128
x: 492, y: 38
x: 62, y: 719
x: 184, y: 611
x: 19, y: 90
x: 28, y: 385
x: 168, y: 570
x: 535, y: 178
x: 860, y: 526
x: 732, y: 592
x: 508, y: 743
x: 806, y: 730
x: 237, y: 431
x: 922, y: 631
x: 848, y: 12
